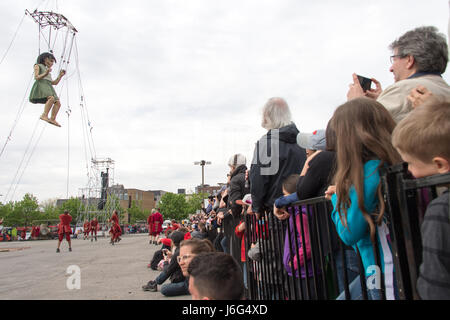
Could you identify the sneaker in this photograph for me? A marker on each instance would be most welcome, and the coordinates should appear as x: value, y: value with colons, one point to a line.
x: 152, y: 287
x: 57, y: 250
x: 92, y: 239
x: 70, y: 249
x: 95, y: 238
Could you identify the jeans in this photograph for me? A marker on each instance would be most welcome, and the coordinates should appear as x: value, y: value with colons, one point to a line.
x: 161, y: 278
x: 176, y: 289
x: 351, y: 260
x: 244, y: 272
x: 356, y: 292
x: 224, y: 244
x: 372, y: 294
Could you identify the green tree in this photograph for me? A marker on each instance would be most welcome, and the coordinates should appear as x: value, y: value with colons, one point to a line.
x: 173, y: 206
x: 49, y: 210
x: 24, y: 211
x: 194, y: 203
x: 74, y: 206
x: 6, y: 212
x: 136, y: 213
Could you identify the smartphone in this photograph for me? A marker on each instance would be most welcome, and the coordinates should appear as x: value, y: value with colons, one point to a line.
x: 365, y: 83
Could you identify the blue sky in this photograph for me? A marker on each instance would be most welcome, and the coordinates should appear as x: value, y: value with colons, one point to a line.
x: 167, y: 83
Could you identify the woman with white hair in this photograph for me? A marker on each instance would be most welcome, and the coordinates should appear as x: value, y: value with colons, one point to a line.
x: 277, y: 155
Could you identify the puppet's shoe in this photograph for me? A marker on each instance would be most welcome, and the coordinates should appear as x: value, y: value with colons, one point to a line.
x: 53, y: 122
x: 57, y: 250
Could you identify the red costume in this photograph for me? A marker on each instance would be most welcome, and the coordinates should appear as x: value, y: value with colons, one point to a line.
x: 175, y: 225
x: 150, y: 224
x: 94, y: 227
x: 86, y: 228
x: 115, y: 228
x: 157, y: 221
x: 64, y: 226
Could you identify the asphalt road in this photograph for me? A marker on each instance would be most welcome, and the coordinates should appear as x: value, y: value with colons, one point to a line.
x: 33, y: 270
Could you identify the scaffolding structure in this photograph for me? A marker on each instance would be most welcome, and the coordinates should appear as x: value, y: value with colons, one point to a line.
x: 95, y: 195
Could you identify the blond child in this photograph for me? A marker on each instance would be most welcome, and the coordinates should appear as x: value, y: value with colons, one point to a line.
x: 423, y: 141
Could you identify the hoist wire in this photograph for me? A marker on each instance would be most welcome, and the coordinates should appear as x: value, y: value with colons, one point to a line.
x: 19, y: 114
x: 12, y: 41
x: 22, y: 160
x: 29, y: 158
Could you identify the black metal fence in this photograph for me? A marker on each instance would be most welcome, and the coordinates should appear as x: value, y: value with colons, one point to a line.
x: 303, y: 258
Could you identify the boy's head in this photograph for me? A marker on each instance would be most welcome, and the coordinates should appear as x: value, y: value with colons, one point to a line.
x: 423, y: 139
x: 290, y: 184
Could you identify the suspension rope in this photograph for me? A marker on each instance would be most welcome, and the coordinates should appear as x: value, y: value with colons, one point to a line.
x: 29, y: 158
x: 12, y: 41
x: 22, y: 160
x: 19, y: 114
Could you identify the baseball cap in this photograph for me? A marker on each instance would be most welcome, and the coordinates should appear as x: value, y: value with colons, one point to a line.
x: 312, y: 141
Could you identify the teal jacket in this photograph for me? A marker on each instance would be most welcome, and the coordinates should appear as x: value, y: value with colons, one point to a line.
x: 357, y: 234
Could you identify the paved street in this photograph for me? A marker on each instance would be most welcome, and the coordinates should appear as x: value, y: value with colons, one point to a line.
x: 33, y: 270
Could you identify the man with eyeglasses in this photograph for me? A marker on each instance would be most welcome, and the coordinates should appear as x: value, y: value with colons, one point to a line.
x: 419, y: 58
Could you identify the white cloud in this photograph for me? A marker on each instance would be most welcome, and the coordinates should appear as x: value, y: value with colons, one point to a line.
x: 167, y: 83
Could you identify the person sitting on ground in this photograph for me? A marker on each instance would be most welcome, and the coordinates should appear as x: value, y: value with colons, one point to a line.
x: 420, y: 57
x: 172, y: 271
x: 215, y: 276
x: 423, y: 141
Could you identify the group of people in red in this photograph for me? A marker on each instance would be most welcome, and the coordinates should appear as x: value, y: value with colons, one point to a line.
x: 92, y: 228
x: 155, y: 222
x: 64, y: 229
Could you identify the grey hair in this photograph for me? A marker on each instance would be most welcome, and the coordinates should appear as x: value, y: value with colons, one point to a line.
x: 276, y: 114
x: 427, y: 46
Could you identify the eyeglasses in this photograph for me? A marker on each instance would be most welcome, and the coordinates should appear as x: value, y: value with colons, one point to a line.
x: 395, y: 56
x: 185, y: 257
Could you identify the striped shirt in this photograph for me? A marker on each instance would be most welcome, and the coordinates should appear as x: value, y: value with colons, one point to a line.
x: 434, y: 278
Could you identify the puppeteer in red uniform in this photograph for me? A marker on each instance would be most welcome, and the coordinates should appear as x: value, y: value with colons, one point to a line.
x: 156, y: 222
x: 86, y: 229
x: 115, y: 230
x: 94, y: 228
x: 64, y: 229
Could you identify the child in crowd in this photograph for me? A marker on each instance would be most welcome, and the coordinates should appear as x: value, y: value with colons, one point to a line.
x: 423, y: 141
x: 363, y: 130
x: 42, y: 90
x: 215, y: 276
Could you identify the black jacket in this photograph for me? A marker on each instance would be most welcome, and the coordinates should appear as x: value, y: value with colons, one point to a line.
x: 269, y: 169
x: 173, y: 270
x: 237, y: 190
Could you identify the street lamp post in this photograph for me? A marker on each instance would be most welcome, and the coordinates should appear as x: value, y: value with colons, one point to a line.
x: 202, y: 163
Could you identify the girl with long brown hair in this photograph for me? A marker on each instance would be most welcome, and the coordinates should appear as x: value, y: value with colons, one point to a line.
x: 363, y: 145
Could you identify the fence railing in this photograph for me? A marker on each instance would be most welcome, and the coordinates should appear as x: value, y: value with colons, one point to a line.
x: 303, y: 258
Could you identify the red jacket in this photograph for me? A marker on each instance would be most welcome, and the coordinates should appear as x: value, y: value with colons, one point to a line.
x: 157, y: 221
x: 241, y: 234
x: 64, y: 225
x: 87, y: 226
x: 115, y: 218
x: 94, y: 225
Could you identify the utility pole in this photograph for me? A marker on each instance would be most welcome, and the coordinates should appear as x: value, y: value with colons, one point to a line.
x: 202, y: 163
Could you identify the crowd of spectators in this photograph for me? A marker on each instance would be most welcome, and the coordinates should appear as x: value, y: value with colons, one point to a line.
x: 409, y: 121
